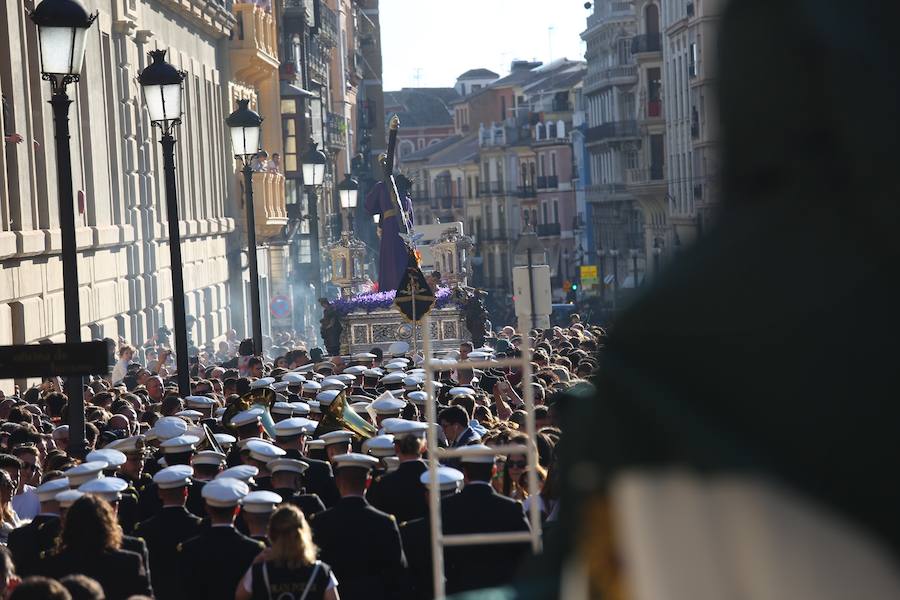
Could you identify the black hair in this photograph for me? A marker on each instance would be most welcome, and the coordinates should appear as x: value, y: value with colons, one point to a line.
x: 455, y: 415
x: 245, y: 348
x: 40, y: 588
x: 478, y: 471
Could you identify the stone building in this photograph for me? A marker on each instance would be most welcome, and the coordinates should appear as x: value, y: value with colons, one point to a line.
x: 692, y: 124
x: 124, y: 274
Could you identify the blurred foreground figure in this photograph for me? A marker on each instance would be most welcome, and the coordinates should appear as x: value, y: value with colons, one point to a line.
x: 743, y: 440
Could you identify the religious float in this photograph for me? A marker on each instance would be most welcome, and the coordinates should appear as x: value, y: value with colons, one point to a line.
x: 358, y: 320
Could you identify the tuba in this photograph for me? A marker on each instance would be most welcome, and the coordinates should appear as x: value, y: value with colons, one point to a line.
x: 261, y: 397
x: 340, y: 416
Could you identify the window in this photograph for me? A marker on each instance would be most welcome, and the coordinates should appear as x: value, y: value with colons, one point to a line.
x: 290, y: 143
x: 553, y: 164
x: 556, y: 211
x: 502, y: 108
x: 544, y: 211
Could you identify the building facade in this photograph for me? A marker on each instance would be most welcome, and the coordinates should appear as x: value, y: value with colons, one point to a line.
x: 692, y: 129
x: 124, y: 274
x: 509, y: 168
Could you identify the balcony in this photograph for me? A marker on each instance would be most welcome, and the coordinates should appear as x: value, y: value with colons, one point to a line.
x: 610, y: 13
x: 336, y: 131
x: 253, y: 45
x: 492, y: 235
x: 656, y: 174
x: 548, y: 230
x: 654, y: 109
x: 646, y: 43
x: 549, y: 182
x: 492, y: 188
x: 526, y: 191
x: 318, y: 57
x: 616, y: 130
x: 269, y: 204
x: 615, y: 75
x: 603, y: 192
x: 328, y: 25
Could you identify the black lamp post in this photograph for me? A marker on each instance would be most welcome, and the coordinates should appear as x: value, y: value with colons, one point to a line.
x: 62, y: 30
x: 161, y: 83
x: 348, y: 190
x: 245, y: 128
x: 313, y: 166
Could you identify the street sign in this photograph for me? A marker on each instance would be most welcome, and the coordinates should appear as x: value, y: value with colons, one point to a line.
x: 589, y: 276
x: 280, y: 307
x: 44, y: 360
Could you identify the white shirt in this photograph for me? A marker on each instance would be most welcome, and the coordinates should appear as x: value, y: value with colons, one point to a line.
x: 119, y: 371
x: 26, y: 504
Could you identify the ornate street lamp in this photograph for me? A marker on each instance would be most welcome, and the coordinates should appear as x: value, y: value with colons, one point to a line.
x: 348, y: 190
x: 314, y: 161
x: 161, y: 83
x: 62, y: 31
x: 245, y: 126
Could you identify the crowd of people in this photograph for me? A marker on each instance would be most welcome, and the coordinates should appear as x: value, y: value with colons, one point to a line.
x: 261, y: 483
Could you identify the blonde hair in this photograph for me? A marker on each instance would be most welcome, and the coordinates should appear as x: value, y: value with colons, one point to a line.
x: 291, y: 537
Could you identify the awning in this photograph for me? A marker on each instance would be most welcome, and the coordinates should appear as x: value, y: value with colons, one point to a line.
x: 289, y: 90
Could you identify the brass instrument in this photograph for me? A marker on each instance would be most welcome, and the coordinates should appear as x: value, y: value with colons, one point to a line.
x: 340, y: 415
x: 262, y: 397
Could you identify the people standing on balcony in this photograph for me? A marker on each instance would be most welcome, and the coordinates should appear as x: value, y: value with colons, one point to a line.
x: 260, y: 162
x: 275, y: 163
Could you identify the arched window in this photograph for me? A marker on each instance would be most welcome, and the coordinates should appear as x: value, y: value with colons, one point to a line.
x: 560, y: 129
x: 651, y: 18
x: 551, y: 130
x: 538, y: 129
x: 406, y: 148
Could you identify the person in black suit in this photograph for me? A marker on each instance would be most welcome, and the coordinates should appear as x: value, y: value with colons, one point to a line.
x: 29, y: 543
x: 90, y: 544
x: 290, y: 435
x: 400, y: 492
x: 454, y: 420
x: 211, y: 563
x: 168, y: 528
x: 286, y: 482
x: 341, y: 531
x: 479, y: 509
x: 416, y: 537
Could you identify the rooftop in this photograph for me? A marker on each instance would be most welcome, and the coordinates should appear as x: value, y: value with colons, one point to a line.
x: 420, y: 107
x: 478, y: 74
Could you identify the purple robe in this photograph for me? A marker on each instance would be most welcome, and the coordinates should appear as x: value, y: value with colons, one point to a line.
x: 393, y: 254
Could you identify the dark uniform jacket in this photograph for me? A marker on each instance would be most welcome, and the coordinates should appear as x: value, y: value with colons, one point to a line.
x: 400, y: 493
x: 310, y: 504
x: 139, y: 547
x: 30, y: 542
x: 479, y: 509
x: 318, y: 478
x: 119, y: 572
x: 416, y: 538
x: 162, y: 533
x: 350, y: 527
x: 211, y: 564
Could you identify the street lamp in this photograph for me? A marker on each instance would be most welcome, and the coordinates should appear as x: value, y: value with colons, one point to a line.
x: 245, y: 127
x: 62, y: 31
x: 314, y: 161
x: 313, y: 167
x: 161, y: 83
x: 348, y: 190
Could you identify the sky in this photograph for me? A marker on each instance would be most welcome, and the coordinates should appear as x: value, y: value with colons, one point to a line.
x: 429, y: 43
